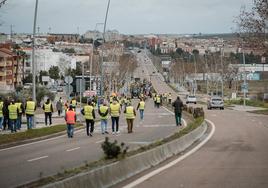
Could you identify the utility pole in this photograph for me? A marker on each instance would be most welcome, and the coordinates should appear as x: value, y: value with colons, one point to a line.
x: 245, y: 77
x: 11, y: 32
x: 104, y: 29
x: 33, y: 52
x: 222, y: 95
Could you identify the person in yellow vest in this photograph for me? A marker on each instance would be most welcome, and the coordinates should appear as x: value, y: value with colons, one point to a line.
x: 141, y: 107
x: 130, y: 115
x: 70, y: 118
x: 21, y: 111
x: 158, y: 101
x: 89, y: 115
x: 115, y: 113
x: 154, y: 98
x: 66, y: 106
x: 1, y: 114
x: 48, y: 108
x: 30, y: 108
x: 103, y: 112
x: 13, y: 112
x: 73, y: 103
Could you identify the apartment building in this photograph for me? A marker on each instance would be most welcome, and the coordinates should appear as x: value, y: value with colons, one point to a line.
x: 11, y: 70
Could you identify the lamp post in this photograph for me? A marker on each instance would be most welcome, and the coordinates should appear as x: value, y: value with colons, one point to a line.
x: 33, y: 53
x: 222, y: 90
x: 91, y: 57
x: 245, y: 77
x: 104, y: 29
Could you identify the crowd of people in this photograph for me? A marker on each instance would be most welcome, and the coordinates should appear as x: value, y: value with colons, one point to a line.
x: 11, y: 112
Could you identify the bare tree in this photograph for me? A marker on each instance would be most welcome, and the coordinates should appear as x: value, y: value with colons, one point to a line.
x: 252, y: 24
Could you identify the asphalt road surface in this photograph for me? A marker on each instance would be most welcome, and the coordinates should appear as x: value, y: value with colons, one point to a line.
x: 26, y: 163
x: 236, y: 155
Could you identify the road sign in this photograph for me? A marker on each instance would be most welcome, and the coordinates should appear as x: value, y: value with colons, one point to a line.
x: 70, y: 89
x: 244, y: 87
x: 82, y: 82
x: 68, y: 79
x: 89, y: 93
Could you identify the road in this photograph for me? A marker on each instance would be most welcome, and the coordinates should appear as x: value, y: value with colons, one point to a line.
x: 29, y: 162
x: 235, y: 156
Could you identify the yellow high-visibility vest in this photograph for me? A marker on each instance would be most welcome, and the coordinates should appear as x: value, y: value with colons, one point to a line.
x: 12, y: 108
x: 158, y: 100
x: 103, y: 110
x: 30, y: 106
x: 73, y: 102
x: 19, y: 106
x: 47, y: 107
x: 1, y: 109
x: 130, y: 112
x: 88, y: 112
x: 115, y: 108
x: 142, y: 105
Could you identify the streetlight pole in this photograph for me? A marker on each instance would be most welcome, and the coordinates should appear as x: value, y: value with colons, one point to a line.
x: 104, y: 29
x: 245, y: 77
x: 222, y: 74
x: 33, y: 53
x: 91, y: 57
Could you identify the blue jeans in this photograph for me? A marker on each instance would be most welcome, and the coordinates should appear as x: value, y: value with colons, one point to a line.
x: 104, y: 125
x: 115, y: 120
x: 70, y: 130
x: 12, y: 124
x: 1, y: 122
x: 29, y: 122
x: 141, y: 114
x: 18, y: 122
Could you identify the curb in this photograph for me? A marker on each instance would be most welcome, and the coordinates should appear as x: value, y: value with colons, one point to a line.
x: 114, y: 173
x: 4, y: 146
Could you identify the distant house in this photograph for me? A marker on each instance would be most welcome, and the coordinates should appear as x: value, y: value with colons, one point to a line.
x: 11, y: 69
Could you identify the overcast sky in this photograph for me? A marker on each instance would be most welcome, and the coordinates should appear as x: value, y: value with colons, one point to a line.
x: 126, y: 16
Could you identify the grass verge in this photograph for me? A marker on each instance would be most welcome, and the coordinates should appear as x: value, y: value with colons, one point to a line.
x: 92, y: 165
x: 255, y: 103
x: 264, y: 112
x: 33, y: 133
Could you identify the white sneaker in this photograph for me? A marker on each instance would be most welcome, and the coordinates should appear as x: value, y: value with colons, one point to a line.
x: 117, y: 132
x: 113, y: 132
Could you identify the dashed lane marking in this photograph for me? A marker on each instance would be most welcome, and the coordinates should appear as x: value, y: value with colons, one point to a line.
x: 73, y: 149
x: 145, y: 143
x: 102, y: 140
x: 38, y: 158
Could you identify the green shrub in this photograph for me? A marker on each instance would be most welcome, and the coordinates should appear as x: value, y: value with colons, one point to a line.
x: 112, y: 149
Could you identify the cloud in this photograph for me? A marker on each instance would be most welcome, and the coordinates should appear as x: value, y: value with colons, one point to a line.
x: 128, y: 16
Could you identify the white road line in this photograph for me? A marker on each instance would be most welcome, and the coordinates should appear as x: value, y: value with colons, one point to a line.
x: 102, y: 140
x: 73, y: 149
x: 38, y: 158
x: 139, y: 142
x: 23, y: 145
x: 157, y: 171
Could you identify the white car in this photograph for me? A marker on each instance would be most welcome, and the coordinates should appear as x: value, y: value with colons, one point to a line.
x: 191, y: 99
x: 215, y: 102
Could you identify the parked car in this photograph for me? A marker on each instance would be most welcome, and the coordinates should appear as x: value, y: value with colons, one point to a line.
x: 215, y: 102
x: 191, y: 99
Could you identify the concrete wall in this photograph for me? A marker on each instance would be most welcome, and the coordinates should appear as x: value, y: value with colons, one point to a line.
x: 112, y: 174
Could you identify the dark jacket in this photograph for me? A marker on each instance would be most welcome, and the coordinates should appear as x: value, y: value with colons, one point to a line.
x: 178, y: 105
